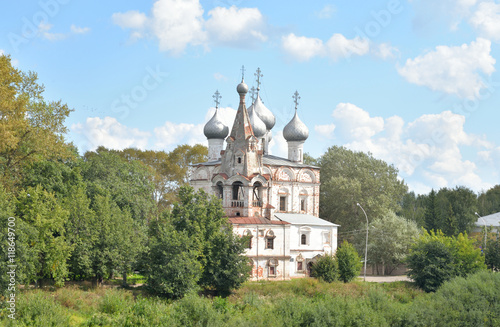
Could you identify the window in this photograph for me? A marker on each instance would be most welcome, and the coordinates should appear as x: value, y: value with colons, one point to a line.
x: 299, y: 266
x: 303, y: 239
x: 302, y: 204
x: 272, y: 264
x: 282, y: 203
x: 300, y: 263
x: 220, y: 189
x: 248, y: 235
x: 237, y: 190
x: 239, y: 160
x: 270, y: 240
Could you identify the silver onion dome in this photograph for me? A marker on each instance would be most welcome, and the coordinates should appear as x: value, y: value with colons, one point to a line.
x: 242, y: 88
x: 258, y: 126
x: 215, y: 129
x: 295, y: 130
x: 265, y: 114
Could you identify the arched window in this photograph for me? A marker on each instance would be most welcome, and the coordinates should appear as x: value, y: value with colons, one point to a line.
x: 270, y: 240
x: 303, y: 239
x: 257, y: 194
x: 220, y: 190
x: 272, y: 264
x: 237, y: 191
x: 248, y: 235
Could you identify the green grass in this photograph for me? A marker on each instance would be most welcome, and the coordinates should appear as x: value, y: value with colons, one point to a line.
x: 299, y: 302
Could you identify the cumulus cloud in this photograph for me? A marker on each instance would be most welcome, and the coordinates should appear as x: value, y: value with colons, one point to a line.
x: 238, y: 27
x: 171, y: 134
x: 325, y: 131
x: 110, y: 133
x: 486, y: 20
x: 177, y: 24
x: 302, y: 48
x: 430, y: 13
x: 278, y: 145
x: 454, y: 70
x: 430, y: 146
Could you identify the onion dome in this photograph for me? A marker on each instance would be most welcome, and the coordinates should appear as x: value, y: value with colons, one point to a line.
x: 215, y: 128
x: 242, y: 88
x: 296, y: 130
x: 265, y: 114
x: 258, y: 126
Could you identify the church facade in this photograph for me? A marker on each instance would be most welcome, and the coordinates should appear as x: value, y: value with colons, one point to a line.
x: 272, y: 200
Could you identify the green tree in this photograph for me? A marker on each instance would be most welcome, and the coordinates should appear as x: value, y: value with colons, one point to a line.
x: 492, y: 254
x: 390, y: 239
x: 326, y: 268
x: 432, y: 215
x: 41, y: 210
x: 128, y: 183
x: 413, y: 208
x: 464, y: 205
x: 489, y: 201
x: 349, y: 177
x: 172, y: 267
x: 204, y: 221
x: 349, y: 262
x: 31, y: 128
x: 435, y: 258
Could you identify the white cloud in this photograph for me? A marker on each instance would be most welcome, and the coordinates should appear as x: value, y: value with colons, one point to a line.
x: 232, y: 26
x: 43, y: 30
x: 79, y: 30
x: 171, y: 134
x: 109, y: 133
x: 326, y: 12
x: 130, y: 19
x: 430, y: 146
x: 220, y: 77
x: 177, y: 24
x: 278, y: 145
x: 454, y: 70
x: 430, y: 13
x: 325, y: 131
x: 302, y: 48
x: 487, y: 20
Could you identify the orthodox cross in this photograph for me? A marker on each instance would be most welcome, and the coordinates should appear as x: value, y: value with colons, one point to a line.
x: 217, y: 97
x: 242, y: 72
x: 296, y: 99
x: 258, y: 75
x: 252, y: 94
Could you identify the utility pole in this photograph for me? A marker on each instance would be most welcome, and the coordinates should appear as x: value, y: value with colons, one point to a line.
x: 366, y: 244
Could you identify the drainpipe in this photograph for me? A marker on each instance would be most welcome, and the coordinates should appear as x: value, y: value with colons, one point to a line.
x: 284, y: 243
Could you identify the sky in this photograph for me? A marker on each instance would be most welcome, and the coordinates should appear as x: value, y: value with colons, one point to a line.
x: 415, y: 83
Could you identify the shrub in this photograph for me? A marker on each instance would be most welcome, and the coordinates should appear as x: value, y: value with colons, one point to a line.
x: 435, y: 258
x: 349, y: 262
x: 326, y: 268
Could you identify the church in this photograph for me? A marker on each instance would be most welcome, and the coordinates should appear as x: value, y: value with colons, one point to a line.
x: 272, y: 200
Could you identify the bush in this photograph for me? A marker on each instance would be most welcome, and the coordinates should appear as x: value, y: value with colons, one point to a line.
x: 349, y: 262
x: 435, y: 258
x: 326, y: 268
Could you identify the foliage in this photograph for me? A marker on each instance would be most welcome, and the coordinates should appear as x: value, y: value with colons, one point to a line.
x: 349, y: 177
x: 349, y: 262
x: 40, y: 209
x: 435, y: 258
x: 172, y: 268
x: 31, y: 129
x: 326, y: 268
x: 169, y: 170
x: 413, y: 208
x: 128, y: 183
x: 389, y: 241
x: 489, y: 201
x: 492, y: 255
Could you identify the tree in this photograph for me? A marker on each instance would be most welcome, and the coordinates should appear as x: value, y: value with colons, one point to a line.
x: 221, y: 252
x: 349, y: 177
x: 326, y: 268
x: 390, y: 239
x: 31, y: 129
x: 492, y: 255
x: 172, y: 267
x: 435, y: 258
x: 489, y: 201
x: 40, y: 209
x: 128, y: 183
x: 432, y: 216
x: 413, y: 208
x: 349, y: 262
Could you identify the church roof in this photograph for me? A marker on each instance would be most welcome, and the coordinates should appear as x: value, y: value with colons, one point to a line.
x: 267, y: 159
x: 303, y: 219
x: 490, y: 220
x: 255, y: 221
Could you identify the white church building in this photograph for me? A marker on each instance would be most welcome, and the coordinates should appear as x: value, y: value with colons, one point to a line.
x: 273, y: 200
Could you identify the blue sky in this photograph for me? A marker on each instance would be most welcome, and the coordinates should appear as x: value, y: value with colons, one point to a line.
x: 413, y: 82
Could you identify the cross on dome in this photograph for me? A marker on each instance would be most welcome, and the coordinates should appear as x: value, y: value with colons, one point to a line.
x: 217, y: 97
x: 296, y: 99
x: 258, y: 75
x: 242, y: 72
x: 252, y: 94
